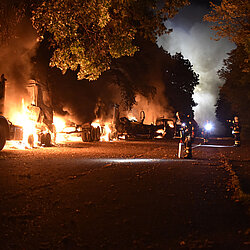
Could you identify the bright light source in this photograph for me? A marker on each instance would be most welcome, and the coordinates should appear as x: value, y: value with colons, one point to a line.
x: 209, y: 126
x: 183, y: 124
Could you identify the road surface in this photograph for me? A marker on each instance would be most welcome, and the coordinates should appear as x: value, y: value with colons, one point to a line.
x: 119, y: 195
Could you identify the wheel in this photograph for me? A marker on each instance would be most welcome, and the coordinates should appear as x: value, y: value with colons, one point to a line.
x: 92, y: 134
x: 98, y: 134
x: 46, y: 140
x: 89, y: 137
x: 2, y: 137
x: 84, y: 137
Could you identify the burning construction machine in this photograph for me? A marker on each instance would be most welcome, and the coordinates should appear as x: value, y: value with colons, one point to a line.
x: 134, y: 129
x: 8, y: 131
x: 40, y: 111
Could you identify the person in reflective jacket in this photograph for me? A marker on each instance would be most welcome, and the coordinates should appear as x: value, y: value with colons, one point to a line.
x: 188, y: 137
x: 236, y: 128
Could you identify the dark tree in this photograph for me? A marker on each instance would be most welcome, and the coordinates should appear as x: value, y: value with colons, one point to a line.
x: 180, y: 81
x: 224, y: 112
x: 151, y: 69
x: 236, y: 89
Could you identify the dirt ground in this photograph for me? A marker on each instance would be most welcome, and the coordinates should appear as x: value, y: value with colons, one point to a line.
x: 125, y: 195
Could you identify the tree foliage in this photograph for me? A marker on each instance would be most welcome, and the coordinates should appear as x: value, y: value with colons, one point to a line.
x: 235, y: 93
x: 87, y: 34
x: 152, y: 73
x: 180, y: 81
x: 153, y: 69
x: 231, y: 20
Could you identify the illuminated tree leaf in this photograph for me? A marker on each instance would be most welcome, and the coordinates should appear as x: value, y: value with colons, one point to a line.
x: 231, y: 20
x: 87, y: 34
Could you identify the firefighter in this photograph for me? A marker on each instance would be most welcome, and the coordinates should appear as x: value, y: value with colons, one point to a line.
x: 236, y: 131
x: 178, y: 126
x: 206, y: 132
x: 189, y: 131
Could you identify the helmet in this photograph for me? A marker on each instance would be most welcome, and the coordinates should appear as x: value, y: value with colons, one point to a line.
x: 236, y: 119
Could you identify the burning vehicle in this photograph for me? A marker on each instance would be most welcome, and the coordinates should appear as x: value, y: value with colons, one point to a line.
x: 39, y: 126
x: 35, y: 121
x: 164, y: 128
x: 131, y: 128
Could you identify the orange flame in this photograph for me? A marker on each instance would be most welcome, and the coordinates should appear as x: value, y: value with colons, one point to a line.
x: 28, y: 123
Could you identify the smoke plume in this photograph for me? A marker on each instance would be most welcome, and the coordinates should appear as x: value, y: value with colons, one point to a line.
x: 192, y: 38
x: 15, y: 64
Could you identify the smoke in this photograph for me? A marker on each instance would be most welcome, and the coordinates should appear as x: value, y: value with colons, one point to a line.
x: 81, y: 101
x: 15, y: 64
x: 192, y: 38
x: 85, y: 101
x: 154, y: 107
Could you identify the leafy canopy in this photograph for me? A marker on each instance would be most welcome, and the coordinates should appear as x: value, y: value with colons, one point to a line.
x: 235, y: 93
x: 231, y: 20
x: 87, y: 34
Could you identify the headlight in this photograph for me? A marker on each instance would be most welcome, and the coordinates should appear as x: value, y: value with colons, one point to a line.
x: 209, y: 126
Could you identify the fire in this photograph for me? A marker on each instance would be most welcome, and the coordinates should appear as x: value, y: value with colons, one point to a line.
x: 28, y: 120
x: 131, y: 117
x: 25, y: 118
x: 105, y: 130
x: 65, y: 133
x: 96, y: 124
x: 106, y: 133
x: 59, y: 123
x: 171, y: 124
x: 160, y: 131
